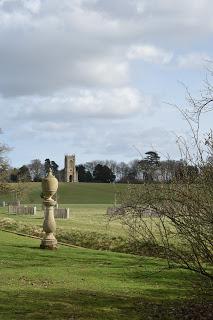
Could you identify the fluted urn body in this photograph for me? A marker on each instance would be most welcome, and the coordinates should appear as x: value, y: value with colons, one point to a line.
x: 49, y: 188
x: 49, y: 185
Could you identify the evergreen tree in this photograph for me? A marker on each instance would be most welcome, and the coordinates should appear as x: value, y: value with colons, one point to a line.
x: 54, y: 167
x: 83, y: 174
x: 103, y: 174
x: 47, y: 165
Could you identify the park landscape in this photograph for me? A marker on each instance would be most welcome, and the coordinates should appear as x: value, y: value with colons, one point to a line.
x: 106, y: 160
x: 134, y: 250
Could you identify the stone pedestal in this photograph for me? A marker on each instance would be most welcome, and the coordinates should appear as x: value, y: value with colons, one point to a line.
x: 49, y: 226
x: 49, y: 188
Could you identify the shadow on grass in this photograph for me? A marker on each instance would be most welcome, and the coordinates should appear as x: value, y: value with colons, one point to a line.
x: 91, y: 305
x: 86, y: 284
x: 22, y: 246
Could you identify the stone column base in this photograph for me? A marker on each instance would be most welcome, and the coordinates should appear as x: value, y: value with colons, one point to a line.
x: 49, y: 242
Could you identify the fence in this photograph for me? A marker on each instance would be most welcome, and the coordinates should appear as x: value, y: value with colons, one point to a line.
x: 21, y: 210
x: 143, y: 212
x: 12, y: 203
x: 62, y: 213
x: 15, y: 203
x: 3, y: 204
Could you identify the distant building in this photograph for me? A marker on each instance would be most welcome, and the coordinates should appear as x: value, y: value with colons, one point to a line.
x: 70, y: 172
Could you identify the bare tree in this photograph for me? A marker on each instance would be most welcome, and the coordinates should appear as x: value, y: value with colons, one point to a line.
x: 36, y: 168
x: 177, y: 217
x: 4, y: 166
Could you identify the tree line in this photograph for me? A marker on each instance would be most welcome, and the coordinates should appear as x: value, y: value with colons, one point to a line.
x: 35, y: 171
x: 148, y: 169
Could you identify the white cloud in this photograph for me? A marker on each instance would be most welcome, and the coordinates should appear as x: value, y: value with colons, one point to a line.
x: 79, y: 104
x: 50, y: 45
x: 193, y: 60
x: 55, y: 46
x: 163, y: 20
x: 103, y: 72
x: 150, y: 53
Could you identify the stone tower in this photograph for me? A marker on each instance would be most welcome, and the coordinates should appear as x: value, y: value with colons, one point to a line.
x: 70, y: 173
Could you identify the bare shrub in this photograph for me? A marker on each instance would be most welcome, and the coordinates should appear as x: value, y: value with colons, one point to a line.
x: 182, y: 226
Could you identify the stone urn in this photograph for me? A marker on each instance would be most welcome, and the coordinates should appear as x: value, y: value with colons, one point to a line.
x: 49, y: 185
x: 49, y: 188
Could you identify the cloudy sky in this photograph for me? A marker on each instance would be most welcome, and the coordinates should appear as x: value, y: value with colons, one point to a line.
x: 91, y: 77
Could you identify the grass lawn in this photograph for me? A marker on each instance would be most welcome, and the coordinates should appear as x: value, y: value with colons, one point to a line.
x: 85, y: 218
x: 82, y: 284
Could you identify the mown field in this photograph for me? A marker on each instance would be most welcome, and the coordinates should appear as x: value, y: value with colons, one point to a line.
x: 88, y: 225
x: 82, y: 284
x: 85, y: 218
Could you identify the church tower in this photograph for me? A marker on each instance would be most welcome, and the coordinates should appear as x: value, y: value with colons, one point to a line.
x: 70, y: 173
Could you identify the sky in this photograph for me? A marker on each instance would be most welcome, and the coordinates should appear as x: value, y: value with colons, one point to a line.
x: 98, y: 78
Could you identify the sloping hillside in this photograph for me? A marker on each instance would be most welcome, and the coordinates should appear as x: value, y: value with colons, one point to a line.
x: 73, y: 193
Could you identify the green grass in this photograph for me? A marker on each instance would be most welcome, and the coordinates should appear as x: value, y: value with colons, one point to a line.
x: 87, y: 284
x: 74, y: 193
x: 88, y: 226
x: 85, y: 218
